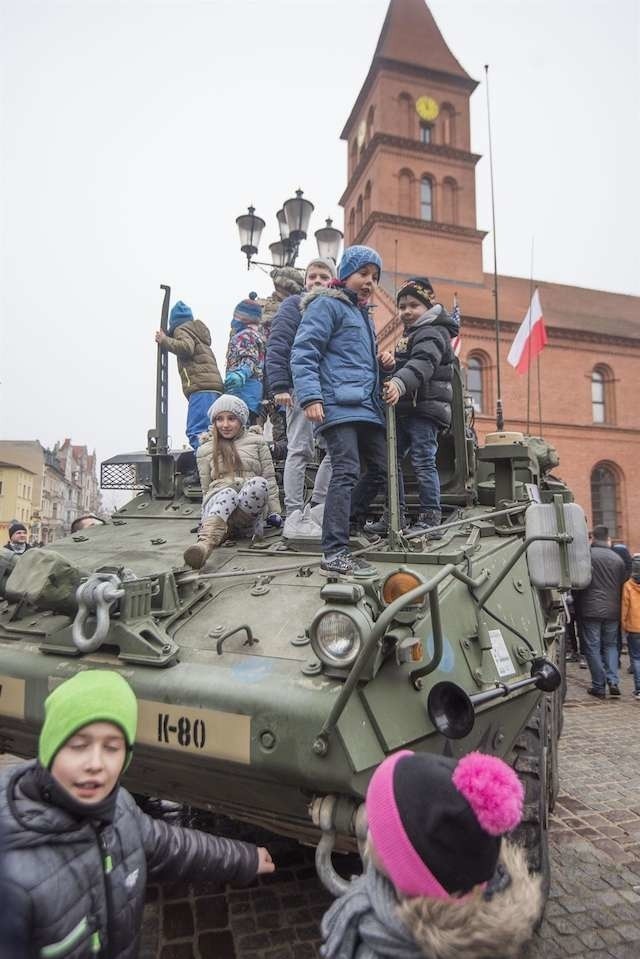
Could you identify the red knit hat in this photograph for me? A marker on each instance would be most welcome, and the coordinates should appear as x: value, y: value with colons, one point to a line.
x: 436, y: 823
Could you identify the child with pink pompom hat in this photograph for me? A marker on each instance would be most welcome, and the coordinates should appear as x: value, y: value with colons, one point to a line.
x: 440, y: 881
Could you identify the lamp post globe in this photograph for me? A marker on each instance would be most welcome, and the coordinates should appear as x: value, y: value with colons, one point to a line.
x: 279, y: 253
x: 297, y: 212
x: 250, y: 228
x: 329, y: 240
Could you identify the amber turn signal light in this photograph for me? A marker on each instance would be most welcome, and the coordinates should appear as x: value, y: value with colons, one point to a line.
x: 398, y: 584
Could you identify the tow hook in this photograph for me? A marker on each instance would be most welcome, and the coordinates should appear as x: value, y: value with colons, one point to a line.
x: 333, y: 814
x: 95, y: 598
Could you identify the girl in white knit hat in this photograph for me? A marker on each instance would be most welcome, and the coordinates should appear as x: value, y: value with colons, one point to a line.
x: 237, y: 478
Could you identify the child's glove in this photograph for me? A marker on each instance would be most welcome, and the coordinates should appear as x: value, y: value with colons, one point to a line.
x: 274, y: 519
x: 233, y: 381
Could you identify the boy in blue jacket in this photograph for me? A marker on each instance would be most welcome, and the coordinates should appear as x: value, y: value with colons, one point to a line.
x: 334, y: 362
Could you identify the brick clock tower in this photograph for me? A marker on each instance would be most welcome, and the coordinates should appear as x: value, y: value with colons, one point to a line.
x: 411, y: 174
x: 411, y: 194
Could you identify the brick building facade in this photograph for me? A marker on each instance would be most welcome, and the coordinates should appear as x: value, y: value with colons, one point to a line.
x: 411, y: 195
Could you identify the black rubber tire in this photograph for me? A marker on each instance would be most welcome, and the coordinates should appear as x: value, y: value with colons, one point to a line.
x: 532, y: 766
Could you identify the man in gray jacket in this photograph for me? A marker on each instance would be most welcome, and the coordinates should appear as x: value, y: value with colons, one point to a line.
x: 599, y: 613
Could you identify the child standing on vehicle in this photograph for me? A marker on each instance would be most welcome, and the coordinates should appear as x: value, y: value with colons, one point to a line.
x: 440, y: 882
x: 245, y: 357
x: 237, y: 479
x: 190, y: 340
x: 630, y: 619
x: 334, y: 362
x: 76, y: 848
x: 422, y: 388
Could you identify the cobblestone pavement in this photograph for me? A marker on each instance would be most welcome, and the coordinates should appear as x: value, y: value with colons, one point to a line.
x: 593, y: 909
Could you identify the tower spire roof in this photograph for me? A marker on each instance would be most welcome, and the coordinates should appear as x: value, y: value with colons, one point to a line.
x: 411, y: 35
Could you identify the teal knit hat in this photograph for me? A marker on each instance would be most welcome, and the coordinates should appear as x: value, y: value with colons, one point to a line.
x: 91, y: 696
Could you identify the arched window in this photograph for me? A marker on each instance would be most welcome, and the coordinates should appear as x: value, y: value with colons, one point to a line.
x: 605, y: 498
x: 602, y: 398
x: 475, y: 377
x: 367, y: 200
x: 354, y: 155
x: 426, y: 199
x: 405, y: 191
x: 359, y: 214
x: 448, y: 211
x: 370, y: 116
x: 352, y: 224
x: 406, y: 113
x: 447, y: 125
x: 425, y: 132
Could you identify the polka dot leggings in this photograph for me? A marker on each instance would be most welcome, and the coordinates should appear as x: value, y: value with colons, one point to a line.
x: 250, y: 500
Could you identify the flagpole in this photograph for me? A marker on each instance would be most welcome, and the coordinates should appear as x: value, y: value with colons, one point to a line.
x: 539, y: 396
x: 529, y: 364
x: 499, y: 414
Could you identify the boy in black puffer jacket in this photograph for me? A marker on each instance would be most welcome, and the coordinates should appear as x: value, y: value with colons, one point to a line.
x: 422, y: 388
x: 76, y: 848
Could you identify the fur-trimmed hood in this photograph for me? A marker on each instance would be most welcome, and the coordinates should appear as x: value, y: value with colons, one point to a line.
x: 336, y: 292
x: 477, y: 928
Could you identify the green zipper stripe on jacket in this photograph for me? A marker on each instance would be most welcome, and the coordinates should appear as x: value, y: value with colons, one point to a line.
x: 69, y: 941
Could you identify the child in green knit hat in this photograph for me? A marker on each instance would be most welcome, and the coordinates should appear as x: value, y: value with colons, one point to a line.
x: 76, y: 848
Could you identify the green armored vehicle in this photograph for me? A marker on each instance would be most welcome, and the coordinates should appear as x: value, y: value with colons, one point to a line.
x: 269, y: 692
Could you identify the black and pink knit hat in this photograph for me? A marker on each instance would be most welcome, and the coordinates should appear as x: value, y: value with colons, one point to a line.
x: 435, y: 823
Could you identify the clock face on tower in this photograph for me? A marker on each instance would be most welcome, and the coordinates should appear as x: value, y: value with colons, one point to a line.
x: 427, y: 108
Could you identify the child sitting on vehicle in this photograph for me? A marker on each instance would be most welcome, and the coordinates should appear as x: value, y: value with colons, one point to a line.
x: 422, y: 387
x: 439, y: 883
x: 76, y: 848
x: 237, y: 478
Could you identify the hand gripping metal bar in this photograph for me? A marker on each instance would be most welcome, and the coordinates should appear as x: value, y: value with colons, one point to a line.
x: 95, y: 598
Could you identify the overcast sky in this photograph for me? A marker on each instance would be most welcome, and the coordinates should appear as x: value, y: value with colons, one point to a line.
x: 135, y: 132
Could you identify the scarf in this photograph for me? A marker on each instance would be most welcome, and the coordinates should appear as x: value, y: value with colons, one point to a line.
x: 39, y: 784
x: 364, y: 922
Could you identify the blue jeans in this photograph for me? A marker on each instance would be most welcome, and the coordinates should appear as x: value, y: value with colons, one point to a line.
x: 633, y: 642
x: 600, y: 641
x: 418, y: 437
x: 198, y: 415
x: 349, y: 494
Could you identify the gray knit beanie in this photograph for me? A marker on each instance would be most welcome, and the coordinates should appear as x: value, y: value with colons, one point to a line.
x: 230, y: 404
x: 321, y: 261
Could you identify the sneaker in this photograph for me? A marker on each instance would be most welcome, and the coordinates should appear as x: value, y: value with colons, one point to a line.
x: 425, y: 523
x: 571, y: 658
x: 599, y: 694
x: 614, y: 691
x: 344, y: 564
x: 637, y: 695
x: 583, y: 663
x: 358, y: 528
x: 381, y: 527
x: 300, y: 524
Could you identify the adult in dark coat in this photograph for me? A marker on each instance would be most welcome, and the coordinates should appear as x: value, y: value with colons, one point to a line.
x: 599, y: 611
x: 17, y: 541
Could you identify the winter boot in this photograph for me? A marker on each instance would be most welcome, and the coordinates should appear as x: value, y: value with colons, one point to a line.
x: 425, y: 523
x: 211, y: 533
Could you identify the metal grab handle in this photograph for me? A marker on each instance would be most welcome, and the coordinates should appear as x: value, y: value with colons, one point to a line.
x: 95, y: 597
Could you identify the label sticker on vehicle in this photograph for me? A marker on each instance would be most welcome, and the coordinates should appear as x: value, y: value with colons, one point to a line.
x: 500, y: 653
x: 200, y: 732
x: 12, y: 697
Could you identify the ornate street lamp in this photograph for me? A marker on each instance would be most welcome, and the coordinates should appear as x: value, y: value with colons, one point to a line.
x: 250, y: 227
x: 293, y: 225
x: 329, y: 240
x: 297, y: 212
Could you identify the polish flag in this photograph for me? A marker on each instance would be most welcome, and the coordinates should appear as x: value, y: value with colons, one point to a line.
x: 530, y: 338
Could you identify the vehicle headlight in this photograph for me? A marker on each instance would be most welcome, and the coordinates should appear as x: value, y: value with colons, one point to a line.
x: 336, y: 638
